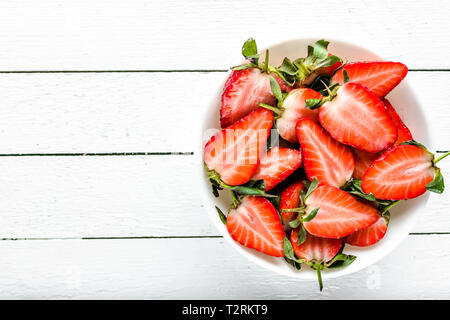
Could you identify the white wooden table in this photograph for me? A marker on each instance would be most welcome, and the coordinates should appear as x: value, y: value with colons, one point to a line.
x: 100, y: 105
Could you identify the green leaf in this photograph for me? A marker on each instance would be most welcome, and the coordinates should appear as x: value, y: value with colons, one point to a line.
x: 294, y: 223
x: 250, y: 191
x: 313, y: 103
x: 313, y: 186
x: 249, y: 49
x: 222, y: 216
x: 259, y: 184
x: 327, y: 62
x: 244, y: 66
x: 320, y: 50
x: 340, y: 260
x: 301, y: 237
x: 288, y: 67
x: 414, y: 143
x: 346, y: 77
x: 276, y: 90
x: 295, y: 264
x: 311, y: 215
x: 288, y: 250
x: 365, y: 196
x: 437, y: 185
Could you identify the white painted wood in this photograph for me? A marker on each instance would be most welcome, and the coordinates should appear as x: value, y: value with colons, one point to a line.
x: 201, y: 34
x: 204, y: 269
x: 139, y: 112
x: 59, y: 197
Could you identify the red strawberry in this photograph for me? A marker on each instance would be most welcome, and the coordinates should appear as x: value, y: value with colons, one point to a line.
x: 363, y: 160
x: 255, y: 224
x: 379, y: 77
x: 403, y: 132
x: 328, y: 160
x: 314, y: 248
x: 290, y: 199
x: 402, y: 172
x: 370, y: 235
x: 234, y: 152
x: 356, y: 117
x: 277, y: 165
x: 339, y: 215
x: 293, y: 109
x: 243, y: 90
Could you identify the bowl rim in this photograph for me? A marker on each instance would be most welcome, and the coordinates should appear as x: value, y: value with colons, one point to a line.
x: 255, y: 256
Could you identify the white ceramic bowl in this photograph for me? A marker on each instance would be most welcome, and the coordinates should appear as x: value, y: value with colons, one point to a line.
x: 403, y: 216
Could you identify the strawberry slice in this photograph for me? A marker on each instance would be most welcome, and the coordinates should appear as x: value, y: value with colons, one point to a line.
x: 402, y: 172
x: 324, y: 158
x: 293, y: 109
x: 356, y: 117
x: 363, y: 160
x: 339, y: 215
x: 243, y: 90
x: 315, y: 248
x: 379, y: 77
x: 290, y: 199
x: 276, y: 165
x: 403, y: 132
x: 255, y: 224
x: 234, y: 152
x: 370, y: 235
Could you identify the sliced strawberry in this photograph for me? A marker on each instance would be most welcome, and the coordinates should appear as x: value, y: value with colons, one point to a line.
x: 363, y: 160
x: 243, y: 90
x: 277, y: 165
x: 315, y: 248
x: 402, y: 172
x: 402, y: 131
x: 255, y: 224
x: 234, y: 152
x: 293, y: 110
x: 328, y: 160
x: 379, y: 77
x: 290, y: 199
x: 339, y: 215
x: 356, y: 117
x: 370, y: 235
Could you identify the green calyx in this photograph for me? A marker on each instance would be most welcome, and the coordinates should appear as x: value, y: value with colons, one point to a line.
x: 250, y: 52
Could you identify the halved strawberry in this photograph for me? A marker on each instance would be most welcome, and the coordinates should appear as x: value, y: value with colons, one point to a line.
x: 357, y: 117
x: 293, y: 109
x: 339, y: 214
x: 243, y: 90
x: 402, y: 172
x: 363, y: 160
x: 379, y: 77
x: 370, y: 235
x: 290, y: 199
x: 315, y: 248
x: 255, y: 224
x: 234, y: 152
x: 276, y: 165
x: 402, y: 130
x: 324, y: 158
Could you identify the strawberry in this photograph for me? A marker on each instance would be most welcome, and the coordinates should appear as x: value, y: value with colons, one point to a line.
x: 403, y: 172
x: 379, y: 77
x: 355, y: 116
x: 292, y: 109
x: 324, y: 158
x: 248, y: 85
x: 234, y: 152
x: 370, y: 235
x: 255, y: 224
x: 403, y: 133
x: 277, y: 165
x: 290, y: 199
x: 315, y: 248
x: 363, y: 160
x: 339, y: 214
x: 242, y: 92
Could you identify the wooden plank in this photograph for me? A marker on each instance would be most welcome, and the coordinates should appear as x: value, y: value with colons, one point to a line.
x: 139, y: 112
x: 169, y: 34
x: 135, y: 196
x: 204, y: 269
